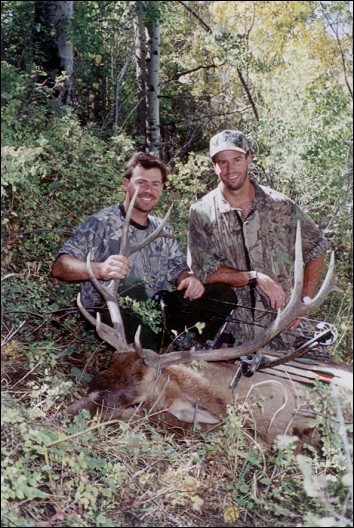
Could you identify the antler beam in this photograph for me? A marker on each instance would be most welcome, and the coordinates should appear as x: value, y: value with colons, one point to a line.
x: 296, y: 307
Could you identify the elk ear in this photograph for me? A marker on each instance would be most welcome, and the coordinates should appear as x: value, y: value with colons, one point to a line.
x: 187, y: 412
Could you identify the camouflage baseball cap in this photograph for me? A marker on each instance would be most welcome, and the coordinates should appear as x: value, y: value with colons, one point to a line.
x: 228, y: 140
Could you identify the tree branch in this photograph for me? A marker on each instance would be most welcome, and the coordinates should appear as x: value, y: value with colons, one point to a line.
x: 250, y: 98
x: 243, y: 82
x: 205, y: 26
x: 180, y: 74
x: 335, y: 31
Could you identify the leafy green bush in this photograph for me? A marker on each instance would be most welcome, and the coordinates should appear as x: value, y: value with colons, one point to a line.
x: 50, y: 189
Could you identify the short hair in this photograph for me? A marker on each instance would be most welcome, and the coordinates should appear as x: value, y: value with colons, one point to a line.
x: 147, y: 161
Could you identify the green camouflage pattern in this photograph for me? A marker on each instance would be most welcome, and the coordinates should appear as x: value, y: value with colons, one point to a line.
x: 216, y: 232
x: 157, y: 265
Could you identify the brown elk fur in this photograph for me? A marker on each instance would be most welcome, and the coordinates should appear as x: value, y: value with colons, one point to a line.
x: 183, y: 395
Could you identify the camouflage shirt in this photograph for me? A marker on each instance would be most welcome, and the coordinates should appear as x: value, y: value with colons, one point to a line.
x: 155, y: 265
x: 264, y: 241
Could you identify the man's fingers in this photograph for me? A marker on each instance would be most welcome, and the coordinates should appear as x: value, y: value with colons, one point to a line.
x: 115, y: 267
x: 194, y: 289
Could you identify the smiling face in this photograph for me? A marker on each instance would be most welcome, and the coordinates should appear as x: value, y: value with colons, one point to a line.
x: 150, y: 186
x: 232, y: 168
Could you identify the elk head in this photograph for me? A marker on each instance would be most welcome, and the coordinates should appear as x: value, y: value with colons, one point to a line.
x: 140, y: 380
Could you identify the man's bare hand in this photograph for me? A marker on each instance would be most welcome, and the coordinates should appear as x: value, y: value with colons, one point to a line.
x: 115, y: 267
x: 194, y: 288
x: 272, y: 289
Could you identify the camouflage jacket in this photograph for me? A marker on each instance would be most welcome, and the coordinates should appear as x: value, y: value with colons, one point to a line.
x: 155, y: 265
x: 220, y: 236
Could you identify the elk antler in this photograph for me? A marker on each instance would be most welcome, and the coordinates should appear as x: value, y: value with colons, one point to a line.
x: 296, y: 307
x: 116, y: 336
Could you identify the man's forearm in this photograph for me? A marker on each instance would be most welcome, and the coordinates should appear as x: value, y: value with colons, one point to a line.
x: 312, y: 275
x: 229, y: 276
x: 72, y: 269
x: 237, y: 279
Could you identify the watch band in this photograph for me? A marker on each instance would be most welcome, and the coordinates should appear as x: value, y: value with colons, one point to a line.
x: 252, y: 280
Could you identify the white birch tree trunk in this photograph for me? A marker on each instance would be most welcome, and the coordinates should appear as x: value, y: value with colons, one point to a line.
x: 153, y: 87
x: 140, y: 56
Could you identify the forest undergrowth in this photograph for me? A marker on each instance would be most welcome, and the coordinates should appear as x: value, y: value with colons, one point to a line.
x: 84, y: 473
x: 281, y: 73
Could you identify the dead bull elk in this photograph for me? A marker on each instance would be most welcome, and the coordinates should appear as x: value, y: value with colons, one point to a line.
x: 140, y: 381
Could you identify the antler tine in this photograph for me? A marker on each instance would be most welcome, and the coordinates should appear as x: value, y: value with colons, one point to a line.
x: 327, y: 286
x: 137, y: 344
x: 107, y: 333
x: 124, y: 243
x: 112, y: 304
x: 84, y: 312
x: 150, y: 357
x: 158, y: 232
x: 290, y: 311
x: 295, y: 308
x: 125, y: 250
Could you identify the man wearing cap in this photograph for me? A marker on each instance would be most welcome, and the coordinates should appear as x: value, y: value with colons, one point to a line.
x: 242, y: 234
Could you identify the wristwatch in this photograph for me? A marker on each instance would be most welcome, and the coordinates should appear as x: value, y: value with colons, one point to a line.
x: 252, y: 279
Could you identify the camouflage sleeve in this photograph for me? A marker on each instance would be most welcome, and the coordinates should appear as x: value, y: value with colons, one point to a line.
x: 314, y: 242
x: 202, y: 258
x: 177, y: 262
x: 89, y: 236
